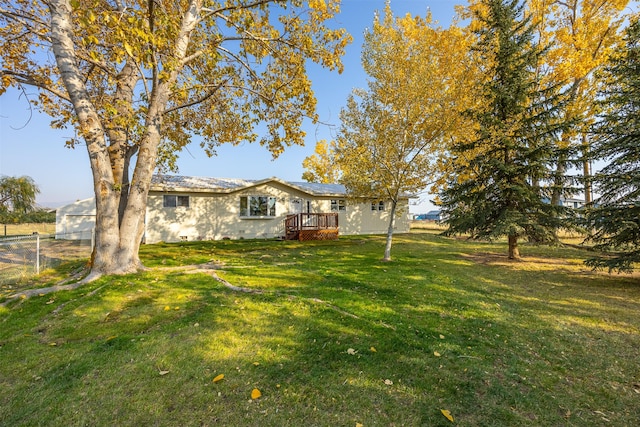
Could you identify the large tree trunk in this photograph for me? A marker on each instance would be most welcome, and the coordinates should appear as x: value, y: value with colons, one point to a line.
x: 514, y: 252
x: 131, y: 225
x: 121, y: 149
x: 116, y: 242
x: 392, y: 223
x: 120, y: 204
x: 106, y: 232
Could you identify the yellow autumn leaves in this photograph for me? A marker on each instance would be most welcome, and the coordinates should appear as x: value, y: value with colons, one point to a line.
x: 444, y: 412
x: 388, y: 382
x: 447, y: 414
x: 255, y: 393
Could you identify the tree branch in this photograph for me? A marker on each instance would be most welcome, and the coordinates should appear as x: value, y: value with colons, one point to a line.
x: 263, y: 40
x: 242, y: 62
x: 196, y: 101
x: 211, y: 12
x: 29, y: 80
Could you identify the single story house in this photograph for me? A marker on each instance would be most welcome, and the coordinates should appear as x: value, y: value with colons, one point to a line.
x: 184, y: 208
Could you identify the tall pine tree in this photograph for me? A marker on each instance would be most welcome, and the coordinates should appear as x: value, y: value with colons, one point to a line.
x: 615, y: 217
x: 497, y: 185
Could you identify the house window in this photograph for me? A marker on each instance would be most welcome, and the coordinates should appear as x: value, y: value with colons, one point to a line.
x: 377, y: 205
x: 172, y: 201
x: 338, y: 205
x: 257, y: 206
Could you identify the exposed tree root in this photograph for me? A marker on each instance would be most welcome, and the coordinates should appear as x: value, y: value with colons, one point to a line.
x: 41, y: 291
x: 61, y: 306
x: 63, y: 285
x: 207, y: 268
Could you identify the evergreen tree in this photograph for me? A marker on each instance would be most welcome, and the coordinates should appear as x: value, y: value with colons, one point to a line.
x: 615, y: 217
x: 496, y: 188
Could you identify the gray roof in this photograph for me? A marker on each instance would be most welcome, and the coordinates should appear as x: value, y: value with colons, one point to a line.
x: 228, y: 185
x: 320, y: 189
x: 170, y: 182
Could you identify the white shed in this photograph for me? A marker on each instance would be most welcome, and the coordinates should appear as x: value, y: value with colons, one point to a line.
x: 77, y: 220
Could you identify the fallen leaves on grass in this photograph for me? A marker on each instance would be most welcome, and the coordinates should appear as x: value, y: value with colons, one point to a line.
x: 388, y: 382
x: 447, y: 414
x: 255, y: 394
x: 218, y: 378
x: 436, y: 354
x: 352, y: 351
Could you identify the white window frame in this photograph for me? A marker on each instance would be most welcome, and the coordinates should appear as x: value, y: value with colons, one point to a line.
x: 338, y: 205
x: 377, y: 205
x: 246, y: 210
x: 178, y: 201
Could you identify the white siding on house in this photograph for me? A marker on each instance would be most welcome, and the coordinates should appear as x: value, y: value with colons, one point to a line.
x: 213, y: 211
x: 360, y: 219
x: 217, y: 216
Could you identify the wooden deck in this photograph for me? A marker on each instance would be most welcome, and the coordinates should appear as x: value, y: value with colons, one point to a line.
x: 311, y: 226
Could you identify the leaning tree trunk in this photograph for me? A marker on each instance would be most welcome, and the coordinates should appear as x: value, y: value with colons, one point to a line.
x: 132, y: 225
x: 106, y: 232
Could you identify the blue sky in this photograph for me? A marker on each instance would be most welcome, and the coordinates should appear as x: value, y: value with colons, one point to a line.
x: 28, y: 146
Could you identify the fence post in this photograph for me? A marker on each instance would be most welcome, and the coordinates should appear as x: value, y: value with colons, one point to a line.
x: 38, y: 254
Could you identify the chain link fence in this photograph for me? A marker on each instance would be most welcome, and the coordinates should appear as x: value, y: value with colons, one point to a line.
x: 24, y: 256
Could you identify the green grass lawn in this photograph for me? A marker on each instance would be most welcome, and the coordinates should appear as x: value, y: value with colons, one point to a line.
x: 335, y: 338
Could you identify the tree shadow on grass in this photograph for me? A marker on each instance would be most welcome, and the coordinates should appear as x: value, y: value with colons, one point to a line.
x: 491, y: 344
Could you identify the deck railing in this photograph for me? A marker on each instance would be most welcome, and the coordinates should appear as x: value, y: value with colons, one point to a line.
x: 311, y: 226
